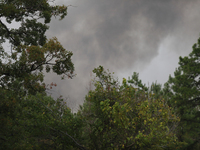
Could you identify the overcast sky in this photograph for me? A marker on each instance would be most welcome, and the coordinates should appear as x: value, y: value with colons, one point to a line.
x: 124, y: 36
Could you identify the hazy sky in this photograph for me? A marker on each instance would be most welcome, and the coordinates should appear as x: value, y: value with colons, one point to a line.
x: 125, y: 36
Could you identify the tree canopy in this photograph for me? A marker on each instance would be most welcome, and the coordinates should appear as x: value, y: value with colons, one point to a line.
x: 183, y: 93
x: 28, y: 13
x: 127, y: 115
x: 30, y: 119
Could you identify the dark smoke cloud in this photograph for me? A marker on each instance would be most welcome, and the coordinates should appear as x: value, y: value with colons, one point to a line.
x: 120, y: 34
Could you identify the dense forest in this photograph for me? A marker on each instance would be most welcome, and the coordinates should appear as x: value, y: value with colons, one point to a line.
x: 127, y: 115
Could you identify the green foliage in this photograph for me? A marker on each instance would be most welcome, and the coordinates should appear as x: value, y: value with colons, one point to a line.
x: 28, y: 118
x: 22, y: 68
x: 183, y: 92
x: 40, y: 123
x: 27, y: 13
x: 127, y: 116
x: 113, y: 116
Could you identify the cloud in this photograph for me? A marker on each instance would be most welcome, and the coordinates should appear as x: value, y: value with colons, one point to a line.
x: 121, y: 35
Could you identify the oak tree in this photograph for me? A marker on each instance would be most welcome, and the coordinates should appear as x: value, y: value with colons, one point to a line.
x: 23, y: 123
x: 127, y: 116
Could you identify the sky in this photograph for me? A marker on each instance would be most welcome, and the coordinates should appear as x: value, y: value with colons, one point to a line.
x: 124, y: 36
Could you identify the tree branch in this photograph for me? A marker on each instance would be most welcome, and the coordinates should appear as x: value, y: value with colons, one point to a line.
x: 9, y: 34
x: 81, y: 147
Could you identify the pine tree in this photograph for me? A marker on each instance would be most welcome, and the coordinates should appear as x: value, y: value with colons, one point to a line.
x: 184, y: 94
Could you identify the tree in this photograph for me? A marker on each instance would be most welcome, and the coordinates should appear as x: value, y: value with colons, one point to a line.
x: 126, y: 116
x: 41, y: 123
x: 28, y: 13
x: 184, y: 94
x: 30, y: 50
x: 27, y: 116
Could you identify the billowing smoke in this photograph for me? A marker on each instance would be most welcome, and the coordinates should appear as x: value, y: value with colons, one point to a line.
x: 121, y: 35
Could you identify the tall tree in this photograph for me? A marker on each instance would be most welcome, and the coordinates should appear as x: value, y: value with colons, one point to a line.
x: 126, y: 116
x: 184, y: 94
x: 30, y: 50
x: 22, y: 122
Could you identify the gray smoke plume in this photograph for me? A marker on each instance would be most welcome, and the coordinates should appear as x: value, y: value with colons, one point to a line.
x: 121, y: 35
